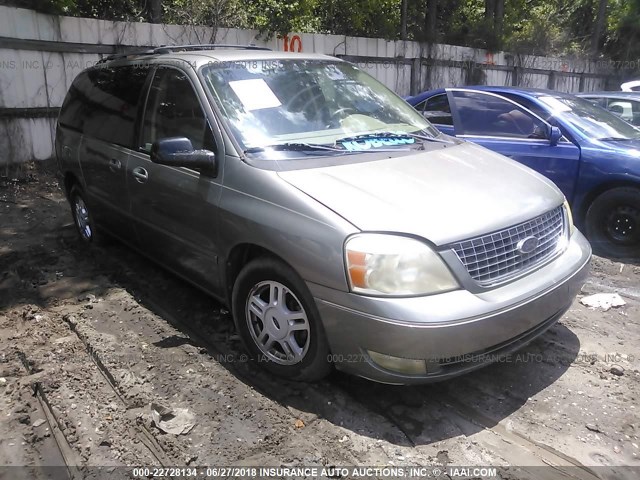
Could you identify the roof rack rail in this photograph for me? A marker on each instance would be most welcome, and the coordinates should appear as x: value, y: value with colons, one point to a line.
x: 133, y: 53
x: 178, y: 48
x: 205, y: 46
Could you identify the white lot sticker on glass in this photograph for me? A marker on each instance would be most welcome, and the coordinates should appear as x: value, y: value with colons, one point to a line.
x: 255, y: 94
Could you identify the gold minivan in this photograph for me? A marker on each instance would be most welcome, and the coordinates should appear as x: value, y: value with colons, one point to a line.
x: 339, y: 226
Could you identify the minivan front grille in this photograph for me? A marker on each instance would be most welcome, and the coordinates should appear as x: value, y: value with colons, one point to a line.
x: 499, y: 256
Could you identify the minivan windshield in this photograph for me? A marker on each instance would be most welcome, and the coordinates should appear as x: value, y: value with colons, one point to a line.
x: 327, y: 105
x: 591, y: 120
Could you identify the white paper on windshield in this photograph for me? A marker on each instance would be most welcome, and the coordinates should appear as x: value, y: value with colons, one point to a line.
x: 255, y: 94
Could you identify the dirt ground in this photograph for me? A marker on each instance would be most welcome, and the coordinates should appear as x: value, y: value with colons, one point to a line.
x: 93, y: 339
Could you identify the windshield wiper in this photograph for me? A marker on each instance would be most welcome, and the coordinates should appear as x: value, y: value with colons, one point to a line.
x: 383, y: 135
x: 314, y: 147
x: 294, y: 147
x: 304, y: 147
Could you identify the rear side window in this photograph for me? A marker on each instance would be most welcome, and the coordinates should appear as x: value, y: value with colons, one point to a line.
x: 103, y: 103
x: 115, y: 96
x: 437, y: 110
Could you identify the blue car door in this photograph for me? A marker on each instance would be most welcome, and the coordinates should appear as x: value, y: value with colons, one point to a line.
x: 503, y: 126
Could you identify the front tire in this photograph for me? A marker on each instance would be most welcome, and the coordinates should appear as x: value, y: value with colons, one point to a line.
x: 613, y: 223
x: 278, y: 321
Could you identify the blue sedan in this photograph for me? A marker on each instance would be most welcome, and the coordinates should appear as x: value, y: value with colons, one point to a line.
x: 591, y: 154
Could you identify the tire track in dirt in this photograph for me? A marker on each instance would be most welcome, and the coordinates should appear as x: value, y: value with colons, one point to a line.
x: 68, y: 454
x: 93, y: 432
x: 140, y: 430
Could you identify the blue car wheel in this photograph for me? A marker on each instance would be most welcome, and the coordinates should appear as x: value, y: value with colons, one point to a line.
x: 613, y: 223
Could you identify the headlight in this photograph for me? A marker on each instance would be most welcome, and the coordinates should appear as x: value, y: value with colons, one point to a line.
x: 567, y: 209
x: 379, y: 264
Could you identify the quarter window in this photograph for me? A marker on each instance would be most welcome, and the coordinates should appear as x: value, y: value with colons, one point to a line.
x: 173, y: 110
x: 75, y: 106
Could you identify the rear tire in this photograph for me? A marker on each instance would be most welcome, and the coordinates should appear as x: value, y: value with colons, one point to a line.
x: 278, y: 321
x: 613, y: 223
x: 82, y: 217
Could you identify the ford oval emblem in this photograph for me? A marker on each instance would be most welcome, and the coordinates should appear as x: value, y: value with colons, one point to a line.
x: 527, y: 245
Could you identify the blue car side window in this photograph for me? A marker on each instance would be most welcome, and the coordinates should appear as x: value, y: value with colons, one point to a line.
x: 488, y: 115
x: 437, y: 110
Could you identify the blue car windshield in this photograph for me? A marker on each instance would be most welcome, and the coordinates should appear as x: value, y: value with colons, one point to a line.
x: 591, y: 120
x: 293, y: 102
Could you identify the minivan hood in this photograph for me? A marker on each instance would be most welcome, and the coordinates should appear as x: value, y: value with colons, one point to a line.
x: 445, y: 195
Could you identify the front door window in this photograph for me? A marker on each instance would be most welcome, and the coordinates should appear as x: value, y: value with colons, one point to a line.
x: 491, y: 116
x: 173, y: 110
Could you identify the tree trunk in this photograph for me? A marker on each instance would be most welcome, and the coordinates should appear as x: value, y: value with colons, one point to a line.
x: 489, y: 10
x: 403, y: 20
x: 598, y: 27
x: 431, y: 20
x: 155, y: 11
x: 499, y: 18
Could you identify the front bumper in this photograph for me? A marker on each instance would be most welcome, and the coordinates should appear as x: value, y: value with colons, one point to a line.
x: 453, y: 332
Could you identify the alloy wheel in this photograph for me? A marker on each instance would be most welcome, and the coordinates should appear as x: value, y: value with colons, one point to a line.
x: 81, y: 214
x: 278, y: 323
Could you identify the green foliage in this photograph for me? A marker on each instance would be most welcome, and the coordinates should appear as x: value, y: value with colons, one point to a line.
x: 112, y: 9
x: 231, y: 13
x: 536, y: 33
x: 360, y: 17
x: 107, y: 9
x: 623, y: 39
x: 62, y: 5
x: 528, y: 26
x: 279, y: 17
x: 46, y: 6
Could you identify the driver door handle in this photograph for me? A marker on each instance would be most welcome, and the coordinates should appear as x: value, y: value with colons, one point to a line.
x: 140, y: 174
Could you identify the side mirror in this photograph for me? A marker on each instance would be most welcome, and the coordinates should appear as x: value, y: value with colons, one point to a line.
x: 551, y: 133
x: 554, y: 136
x: 179, y: 152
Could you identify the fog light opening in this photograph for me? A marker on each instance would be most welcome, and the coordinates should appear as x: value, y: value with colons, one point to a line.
x: 407, y: 366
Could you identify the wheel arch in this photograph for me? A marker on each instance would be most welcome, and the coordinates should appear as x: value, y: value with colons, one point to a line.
x: 581, y: 212
x: 314, y: 362
x: 239, y: 256
x: 70, y: 179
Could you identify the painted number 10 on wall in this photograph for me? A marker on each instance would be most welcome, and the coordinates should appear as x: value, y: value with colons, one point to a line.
x: 292, y: 44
